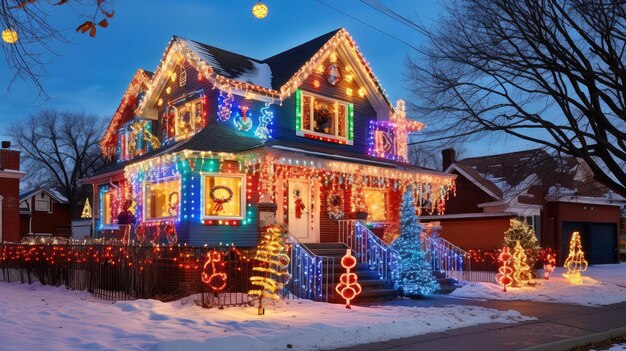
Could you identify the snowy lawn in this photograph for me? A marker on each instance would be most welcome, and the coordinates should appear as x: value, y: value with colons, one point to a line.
x: 602, y: 285
x: 35, y: 317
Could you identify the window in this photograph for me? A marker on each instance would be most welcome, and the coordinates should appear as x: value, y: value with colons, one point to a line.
x: 224, y: 196
x: 324, y: 118
x: 105, y: 203
x: 42, y: 203
x: 162, y: 199
x: 376, y: 202
x: 189, y: 117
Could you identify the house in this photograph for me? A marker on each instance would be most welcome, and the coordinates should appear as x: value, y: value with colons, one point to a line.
x: 10, y: 176
x: 44, y: 211
x: 214, y: 144
x: 555, y: 195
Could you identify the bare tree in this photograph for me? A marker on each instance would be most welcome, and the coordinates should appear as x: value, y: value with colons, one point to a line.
x: 58, y: 149
x: 546, y: 71
x: 35, y: 36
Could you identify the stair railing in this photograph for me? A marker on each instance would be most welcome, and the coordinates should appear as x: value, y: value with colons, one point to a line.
x: 368, y: 248
x: 446, y: 257
x: 312, y: 276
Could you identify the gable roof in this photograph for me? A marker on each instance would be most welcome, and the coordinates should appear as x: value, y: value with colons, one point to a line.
x: 125, y: 111
x: 53, y: 193
x: 274, y: 78
x: 530, y: 176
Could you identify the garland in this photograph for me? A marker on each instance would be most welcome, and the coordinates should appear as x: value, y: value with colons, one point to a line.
x: 220, y: 201
x: 334, y: 205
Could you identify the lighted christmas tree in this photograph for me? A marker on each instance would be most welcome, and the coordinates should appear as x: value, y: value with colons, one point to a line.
x: 522, y: 232
x: 271, y: 266
x: 86, y: 210
x: 575, y: 262
x: 522, y: 273
x: 415, y: 276
x: 505, y: 270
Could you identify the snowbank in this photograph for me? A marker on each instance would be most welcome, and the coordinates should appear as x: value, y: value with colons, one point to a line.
x: 602, y: 285
x: 35, y: 317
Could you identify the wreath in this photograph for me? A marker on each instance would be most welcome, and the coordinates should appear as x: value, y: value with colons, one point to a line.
x: 334, y: 205
x: 220, y: 201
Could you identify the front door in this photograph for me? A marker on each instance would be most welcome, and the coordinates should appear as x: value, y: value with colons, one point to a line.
x: 299, y: 210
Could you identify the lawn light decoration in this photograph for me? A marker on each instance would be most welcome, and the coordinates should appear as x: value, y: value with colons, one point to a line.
x: 505, y: 271
x: 156, y: 235
x: 9, y: 36
x: 242, y: 122
x: 348, y: 287
x: 271, y: 266
x: 211, y: 272
x: 140, y: 233
x: 87, y: 212
x: 298, y: 203
x: 549, y: 265
x: 575, y: 262
x: 522, y: 274
x: 225, y: 106
x: 334, y: 205
x: 219, y: 201
x: 170, y: 233
x: 260, y: 10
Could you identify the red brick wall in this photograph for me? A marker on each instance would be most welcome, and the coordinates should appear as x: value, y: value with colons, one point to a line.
x: 10, y: 192
x: 9, y: 159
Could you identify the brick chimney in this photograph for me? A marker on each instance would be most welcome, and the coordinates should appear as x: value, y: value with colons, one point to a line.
x: 9, y: 159
x: 448, y: 157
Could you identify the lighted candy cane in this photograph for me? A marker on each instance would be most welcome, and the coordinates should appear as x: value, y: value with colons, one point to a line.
x: 141, y: 233
x: 348, y: 287
x: 262, y: 131
x: 215, y: 280
x: 170, y: 233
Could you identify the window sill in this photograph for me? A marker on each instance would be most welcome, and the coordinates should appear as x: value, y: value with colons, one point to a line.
x: 324, y: 137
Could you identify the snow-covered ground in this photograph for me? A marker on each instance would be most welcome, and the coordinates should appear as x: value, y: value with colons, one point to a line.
x: 35, y: 317
x: 616, y: 347
x: 602, y: 285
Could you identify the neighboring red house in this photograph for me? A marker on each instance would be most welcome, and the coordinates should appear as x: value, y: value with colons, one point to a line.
x: 556, y: 196
x: 10, y: 176
x: 44, y: 212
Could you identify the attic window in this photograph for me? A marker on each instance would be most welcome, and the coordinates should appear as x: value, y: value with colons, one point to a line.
x: 189, y: 118
x: 324, y: 119
x: 42, y: 203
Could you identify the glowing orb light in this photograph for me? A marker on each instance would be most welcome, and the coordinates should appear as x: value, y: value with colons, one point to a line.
x: 259, y: 10
x: 9, y: 36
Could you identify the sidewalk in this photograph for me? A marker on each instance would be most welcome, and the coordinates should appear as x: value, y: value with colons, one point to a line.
x: 554, y: 322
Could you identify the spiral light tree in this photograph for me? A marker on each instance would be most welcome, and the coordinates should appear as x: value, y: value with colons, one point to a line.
x: 504, y: 276
x: 575, y: 262
x: 271, y: 268
x: 522, y: 273
x: 348, y: 287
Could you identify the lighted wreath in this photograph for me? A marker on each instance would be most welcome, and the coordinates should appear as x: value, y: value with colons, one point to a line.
x: 220, y: 201
x: 334, y: 205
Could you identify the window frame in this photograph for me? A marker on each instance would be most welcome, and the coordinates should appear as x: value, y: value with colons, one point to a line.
x: 48, y: 208
x: 145, y: 199
x: 178, y: 136
x: 386, y: 204
x: 204, y: 193
x: 309, y: 131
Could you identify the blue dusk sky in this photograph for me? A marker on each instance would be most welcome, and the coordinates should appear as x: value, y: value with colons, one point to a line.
x: 91, y: 74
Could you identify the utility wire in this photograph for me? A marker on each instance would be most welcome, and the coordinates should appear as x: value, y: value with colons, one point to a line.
x: 369, y: 25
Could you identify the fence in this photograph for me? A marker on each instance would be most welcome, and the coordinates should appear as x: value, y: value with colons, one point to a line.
x: 81, y: 229
x: 120, y: 272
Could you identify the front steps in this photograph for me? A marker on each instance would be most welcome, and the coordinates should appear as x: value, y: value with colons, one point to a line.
x: 373, y: 288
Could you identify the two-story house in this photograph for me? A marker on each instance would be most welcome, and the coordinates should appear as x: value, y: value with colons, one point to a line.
x: 214, y: 140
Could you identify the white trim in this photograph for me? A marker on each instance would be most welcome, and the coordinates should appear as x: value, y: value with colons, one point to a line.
x: 145, y: 199
x: 335, y: 136
x: 478, y: 184
x: 13, y: 174
x: 242, y: 195
x: 587, y: 200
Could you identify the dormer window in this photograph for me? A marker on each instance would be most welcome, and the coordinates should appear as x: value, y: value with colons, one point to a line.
x: 323, y: 118
x: 189, y: 118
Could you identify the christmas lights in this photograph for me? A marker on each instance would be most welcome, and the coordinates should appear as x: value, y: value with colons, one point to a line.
x: 522, y: 273
x: 549, y: 265
x: 504, y: 277
x: 348, y: 287
x: 575, y: 262
x: 212, y: 274
x: 271, y: 267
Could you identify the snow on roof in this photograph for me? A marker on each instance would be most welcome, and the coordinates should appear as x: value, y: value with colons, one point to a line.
x: 232, y: 65
x: 54, y: 193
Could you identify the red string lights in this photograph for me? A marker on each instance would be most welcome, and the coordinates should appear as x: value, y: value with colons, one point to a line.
x: 348, y: 286
x: 505, y: 271
x: 211, y: 272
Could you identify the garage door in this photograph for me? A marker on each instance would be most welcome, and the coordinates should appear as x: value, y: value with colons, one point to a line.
x: 599, y: 241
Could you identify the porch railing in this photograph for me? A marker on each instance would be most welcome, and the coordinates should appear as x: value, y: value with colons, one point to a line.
x: 369, y: 248
x: 446, y: 257
x: 312, y: 276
